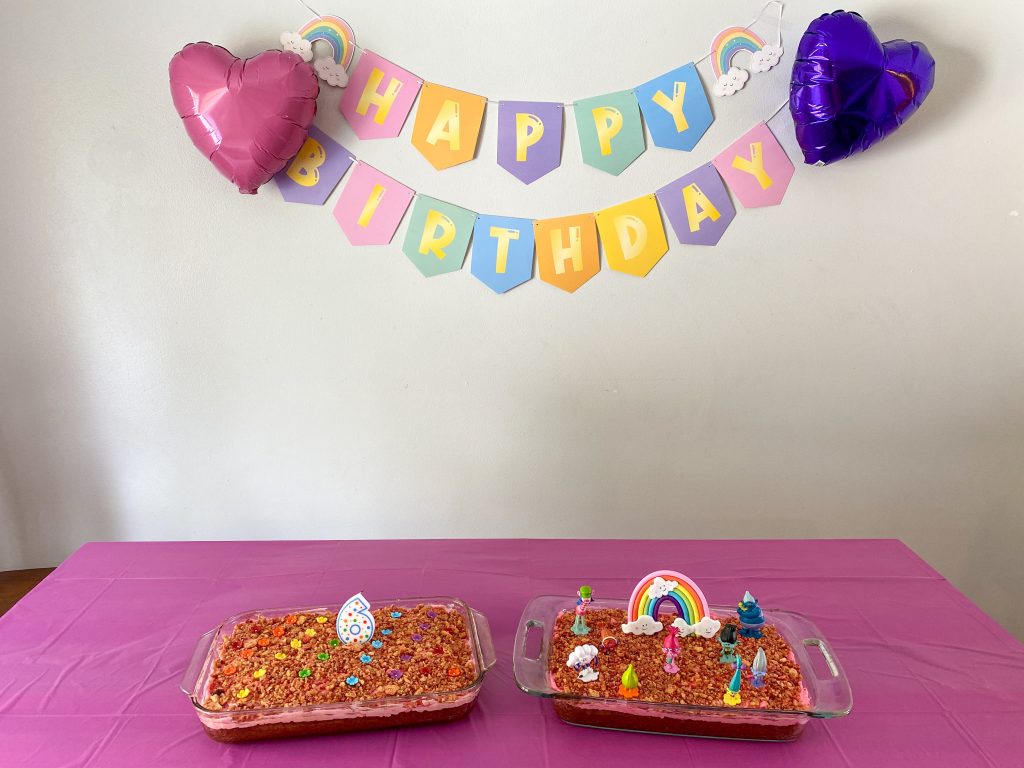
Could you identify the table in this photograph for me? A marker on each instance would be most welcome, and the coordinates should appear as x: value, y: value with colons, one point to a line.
x: 90, y: 660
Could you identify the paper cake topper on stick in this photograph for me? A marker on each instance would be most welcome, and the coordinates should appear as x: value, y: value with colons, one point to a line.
x: 332, y: 30
x: 355, y: 622
x: 730, y: 78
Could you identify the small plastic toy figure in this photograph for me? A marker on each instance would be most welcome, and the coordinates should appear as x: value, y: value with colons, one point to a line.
x: 579, y: 626
x: 759, y: 668
x: 729, y: 639
x: 630, y: 687
x: 584, y: 659
x: 671, y: 647
x: 751, y: 618
x: 608, y: 643
x: 732, y: 691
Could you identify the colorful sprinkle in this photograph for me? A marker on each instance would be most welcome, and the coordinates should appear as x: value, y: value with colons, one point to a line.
x: 323, y: 656
x: 236, y: 645
x: 305, y: 672
x: 280, y: 656
x: 353, y: 680
x: 230, y: 670
x: 256, y: 628
x: 290, y: 619
x: 334, y: 642
x: 454, y: 672
x: 310, y: 632
x: 278, y: 631
x: 259, y: 673
x: 296, y: 643
x: 366, y: 658
x: 431, y: 615
x: 438, y: 650
x: 242, y: 693
x: 395, y: 674
x: 416, y: 638
x: 425, y: 671
x: 376, y: 643
x: 396, y: 614
x: 263, y: 641
x: 385, y: 631
x: 321, y: 619
x: 406, y: 657
x: 247, y: 653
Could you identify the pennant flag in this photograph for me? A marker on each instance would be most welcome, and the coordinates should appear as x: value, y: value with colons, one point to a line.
x: 611, y: 134
x: 698, y: 206
x: 502, y: 252
x: 632, y: 235
x: 567, y: 252
x: 316, y: 170
x: 371, y: 206
x: 447, y: 125
x: 756, y: 168
x: 676, y: 108
x: 438, y: 236
x: 379, y: 97
x: 529, y: 138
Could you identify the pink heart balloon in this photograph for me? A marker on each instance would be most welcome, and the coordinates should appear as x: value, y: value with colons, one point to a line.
x: 248, y: 117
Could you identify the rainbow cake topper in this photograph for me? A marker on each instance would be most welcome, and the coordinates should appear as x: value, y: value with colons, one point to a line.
x: 729, y: 43
x: 332, y: 30
x: 659, y: 587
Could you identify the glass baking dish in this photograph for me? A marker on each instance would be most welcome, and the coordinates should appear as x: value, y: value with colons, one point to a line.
x: 335, y: 717
x: 829, y: 693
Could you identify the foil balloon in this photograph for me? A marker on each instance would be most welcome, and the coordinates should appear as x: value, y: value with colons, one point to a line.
x: 849, y: 91
x: 249, y: 117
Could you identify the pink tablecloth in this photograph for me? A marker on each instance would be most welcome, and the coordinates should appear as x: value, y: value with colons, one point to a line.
x: 90, y: 660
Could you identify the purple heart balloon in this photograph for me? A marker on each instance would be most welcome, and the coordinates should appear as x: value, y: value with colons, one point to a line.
x: 850, y: 91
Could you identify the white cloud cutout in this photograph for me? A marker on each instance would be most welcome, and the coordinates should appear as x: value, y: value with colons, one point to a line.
x: 331, y: 72
x: 644, y: 625
x: 706, y: 627
x: 296, y: 43
x: 766, y: 58
x: 731, y: 81
x: 660, y: 587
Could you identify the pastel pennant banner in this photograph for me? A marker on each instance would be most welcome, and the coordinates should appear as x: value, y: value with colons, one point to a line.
x: 502, y: 252
x: 447, y: 125
x: 632, y: 235
x: 371, y: 206
x: 698, y: 206
x: 379, y: 97
x: 567, y: 251
x: 529, y: 138
x: 315, y: 171
x: 610, y: 131
x: 438, y: 236
x: 756, y: 168
x: 675, y: 108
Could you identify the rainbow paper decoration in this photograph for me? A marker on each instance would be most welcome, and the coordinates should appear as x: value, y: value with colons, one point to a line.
x: 667, y: 586
x: 728, y: 43
x: 335, y: 32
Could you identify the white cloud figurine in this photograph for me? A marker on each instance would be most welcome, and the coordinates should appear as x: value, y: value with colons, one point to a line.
x: 644, y: 625
x: 331, y: 72
x: 731, y: 81
x: 660, y: 587
x: 297, y: 44
x: 581, y: 658
x: 706, y: 627
x: 766, y: 58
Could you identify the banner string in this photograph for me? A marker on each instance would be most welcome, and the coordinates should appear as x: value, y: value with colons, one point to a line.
x: 705, y: 57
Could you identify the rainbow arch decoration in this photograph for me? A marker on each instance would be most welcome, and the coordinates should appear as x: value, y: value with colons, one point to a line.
x: 660, y: 587
x: 336, y: 32
x: 730, y: 42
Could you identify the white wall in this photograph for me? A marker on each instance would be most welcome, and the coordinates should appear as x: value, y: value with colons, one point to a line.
x: 180, y: 361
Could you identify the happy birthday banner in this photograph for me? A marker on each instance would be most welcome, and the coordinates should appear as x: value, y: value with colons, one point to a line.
x: 698, y: 206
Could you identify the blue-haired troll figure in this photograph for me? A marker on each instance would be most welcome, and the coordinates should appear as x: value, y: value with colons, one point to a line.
x: 751, y: 618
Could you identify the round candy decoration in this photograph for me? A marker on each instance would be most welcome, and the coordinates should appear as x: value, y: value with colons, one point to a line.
x: 849, y: 91
x: 355, y: 622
